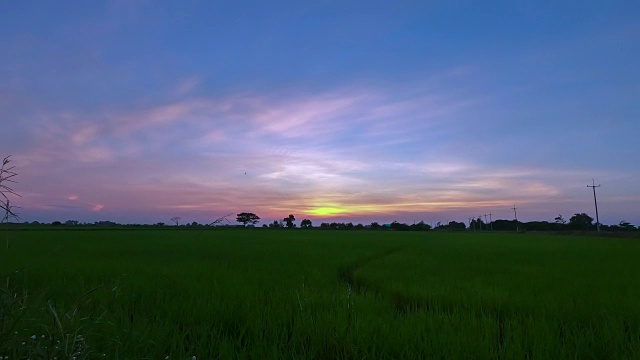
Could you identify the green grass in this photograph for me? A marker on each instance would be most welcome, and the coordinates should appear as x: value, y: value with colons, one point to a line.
x: 136, y: 294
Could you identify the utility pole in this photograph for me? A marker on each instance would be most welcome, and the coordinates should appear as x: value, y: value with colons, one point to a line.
x: 594, y: 186
x: 485, y: 218
x: 490, y: 221
x: 515, y: 213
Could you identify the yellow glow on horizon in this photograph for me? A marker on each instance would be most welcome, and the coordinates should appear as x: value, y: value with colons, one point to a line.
x: 327, y: 211
x: 334, y: 209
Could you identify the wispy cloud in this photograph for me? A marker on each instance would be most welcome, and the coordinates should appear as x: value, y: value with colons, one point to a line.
x: 306, y: 117
x: 352, y: 152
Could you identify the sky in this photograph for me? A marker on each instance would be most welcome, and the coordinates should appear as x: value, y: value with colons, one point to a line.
x: 361, y: 111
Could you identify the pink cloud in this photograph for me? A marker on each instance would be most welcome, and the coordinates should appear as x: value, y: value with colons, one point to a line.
x: 157, y: 116
x: 55, y: 139
x: 305, y: 116
x: 85, y: 134
x: 104, y: 135
x: 218, y: 140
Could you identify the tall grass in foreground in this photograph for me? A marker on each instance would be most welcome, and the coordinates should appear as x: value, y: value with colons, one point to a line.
x: 317, y: 295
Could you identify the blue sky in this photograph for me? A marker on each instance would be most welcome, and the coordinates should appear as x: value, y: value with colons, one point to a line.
x: 366, y: 111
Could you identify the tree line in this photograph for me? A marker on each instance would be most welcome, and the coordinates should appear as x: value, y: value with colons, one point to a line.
x: 578, y: 222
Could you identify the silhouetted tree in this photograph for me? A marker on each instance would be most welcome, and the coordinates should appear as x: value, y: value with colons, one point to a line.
x: 375, y: 226
x: 247, y: 218
x: 275, y: 225
x: 477, y: 224
x: 399, y: 226
x: 626, y: 226
x: 581, y: 221
x: 454, y: 225
x: 289, y: 220
x: 176, y: 219
x: 421, y: 226
x: 306, y: 223
x: 560, y: 222
x: 502, y: 225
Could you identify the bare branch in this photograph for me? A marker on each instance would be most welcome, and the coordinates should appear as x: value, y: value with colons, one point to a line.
x: 6, y: 176
x: 9, y: 213
x: 221, y: 219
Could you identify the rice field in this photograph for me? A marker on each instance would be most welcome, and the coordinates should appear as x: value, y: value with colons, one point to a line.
x: 313, y: 294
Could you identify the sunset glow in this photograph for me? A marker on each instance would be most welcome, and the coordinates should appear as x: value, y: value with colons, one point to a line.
x: 142, y: 111
x: 327, y: 211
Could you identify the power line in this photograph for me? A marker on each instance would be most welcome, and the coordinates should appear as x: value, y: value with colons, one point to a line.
x: 594, y: 186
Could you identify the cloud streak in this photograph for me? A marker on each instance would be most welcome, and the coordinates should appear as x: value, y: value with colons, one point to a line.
x: 354, y: 152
